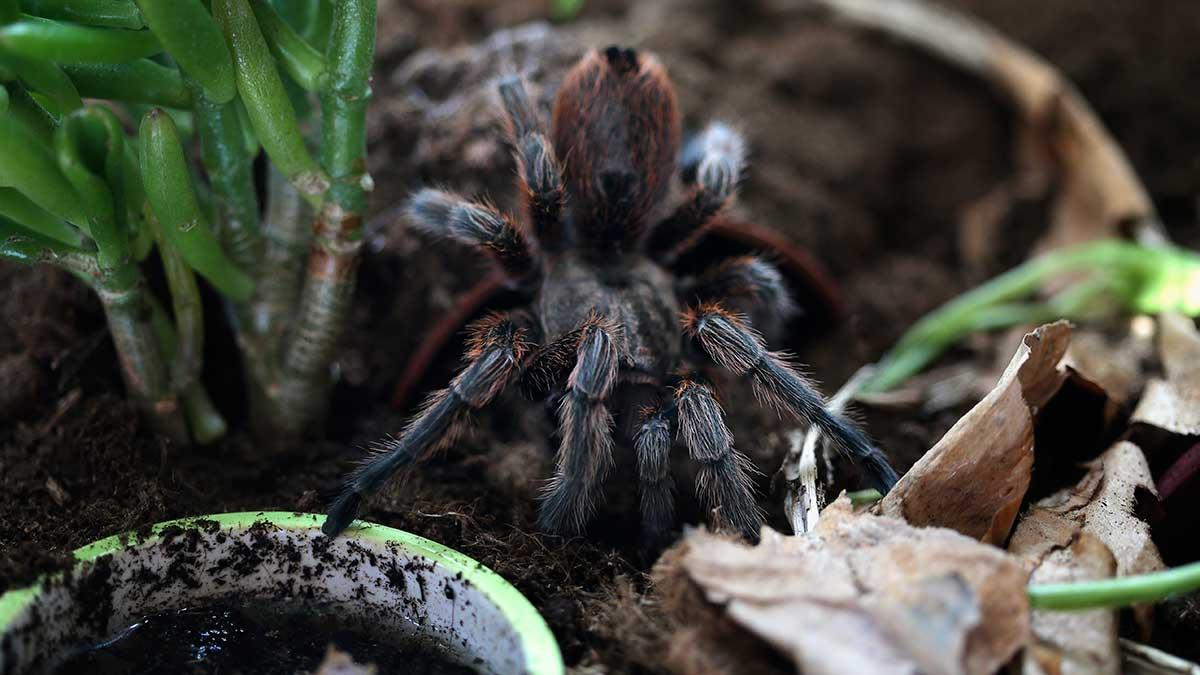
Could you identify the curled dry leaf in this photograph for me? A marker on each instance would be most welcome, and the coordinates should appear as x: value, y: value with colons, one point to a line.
x: 974, y: 478
x: 1173, y: 404
x: 868, y: 594
x: 1116, y: 363
x: 1074, y: 642
x: 1055, y: 538
x: 1103, y: 504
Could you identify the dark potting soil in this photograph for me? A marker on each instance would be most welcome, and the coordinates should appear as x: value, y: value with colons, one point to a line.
x: 261, y: 638
x: 862, y: 152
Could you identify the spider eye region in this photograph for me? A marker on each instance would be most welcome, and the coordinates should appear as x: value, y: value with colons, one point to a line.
x: 622, y: 60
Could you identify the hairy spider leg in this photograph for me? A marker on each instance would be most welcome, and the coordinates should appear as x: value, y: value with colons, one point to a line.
x: 495, y: 351
x: 716, y: 158
x: 445, y: 214
x: 738, y: 348
x: 538, y: 173
x: 616, y: 125
x: 652, y: 443
x: 748, y: 281
x: 724, y: 484
x: 585, y: 451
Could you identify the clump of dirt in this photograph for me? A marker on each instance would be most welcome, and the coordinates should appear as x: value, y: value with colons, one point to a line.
x: 863, y: 152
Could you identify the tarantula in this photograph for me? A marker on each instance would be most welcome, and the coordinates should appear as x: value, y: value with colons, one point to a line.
x: 607, y: 309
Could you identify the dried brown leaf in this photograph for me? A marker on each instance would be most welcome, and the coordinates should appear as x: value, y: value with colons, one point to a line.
x: 1103, y: 504
x: 1102, y: 507
x: 1173, y: 404
x: 869, y: 594
x: 974, y: 478
x: 1115, y: 363
x: 1075, y: 642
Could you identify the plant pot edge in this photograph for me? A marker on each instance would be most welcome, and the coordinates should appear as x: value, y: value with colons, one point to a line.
x: 541, y: 649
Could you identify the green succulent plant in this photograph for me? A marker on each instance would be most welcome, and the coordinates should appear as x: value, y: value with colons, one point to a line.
x: 129, y: 128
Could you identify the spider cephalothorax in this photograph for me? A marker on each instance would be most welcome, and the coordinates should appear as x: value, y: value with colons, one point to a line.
x: 614, y: 325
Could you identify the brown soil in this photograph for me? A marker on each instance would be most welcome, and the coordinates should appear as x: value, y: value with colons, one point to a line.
x: 863, y: 152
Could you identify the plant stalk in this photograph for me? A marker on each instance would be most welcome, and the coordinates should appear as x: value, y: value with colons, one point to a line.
x: 1118, y: 592
x: 231, y: 173
x: 337, y: 233
x: 143, y: 366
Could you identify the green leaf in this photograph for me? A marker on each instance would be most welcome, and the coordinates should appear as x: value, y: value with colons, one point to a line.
x: 190, y: 36
x: 24, y: 245
x: 304, y: 64
x: 271, y: 115
x: 108, y: 13
x: 27, y: 164
x: 90, y: 146
x: 71, y: 43
x: 29, y: 112
x: 140, y: 81
x: 172, y: 197
x: 44, y: 77
x: 565, y: 10
x: 22, y: 210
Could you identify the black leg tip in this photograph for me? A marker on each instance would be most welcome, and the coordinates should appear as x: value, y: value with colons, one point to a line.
x: 880, y: 473
x: 341, y: 513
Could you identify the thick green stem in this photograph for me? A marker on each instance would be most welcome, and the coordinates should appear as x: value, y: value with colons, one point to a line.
x: 143, y: 366
x: 203, y: 418
x: 287, y: 231
x: 189, y: 315
x: 231, y: 173
x: 1118, y: 592
x: 337, y: 232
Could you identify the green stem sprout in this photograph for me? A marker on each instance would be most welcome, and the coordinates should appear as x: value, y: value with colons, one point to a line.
x: 1118, y: 592
x: 1117, y: 274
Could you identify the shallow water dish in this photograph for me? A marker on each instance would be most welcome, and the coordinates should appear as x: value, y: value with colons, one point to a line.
x: 378, y: 576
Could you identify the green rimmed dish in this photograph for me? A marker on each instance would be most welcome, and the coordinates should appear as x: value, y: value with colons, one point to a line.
x: 379, y: 576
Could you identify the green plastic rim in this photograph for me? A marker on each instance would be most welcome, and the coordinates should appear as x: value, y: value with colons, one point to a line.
x: 542, y: 656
